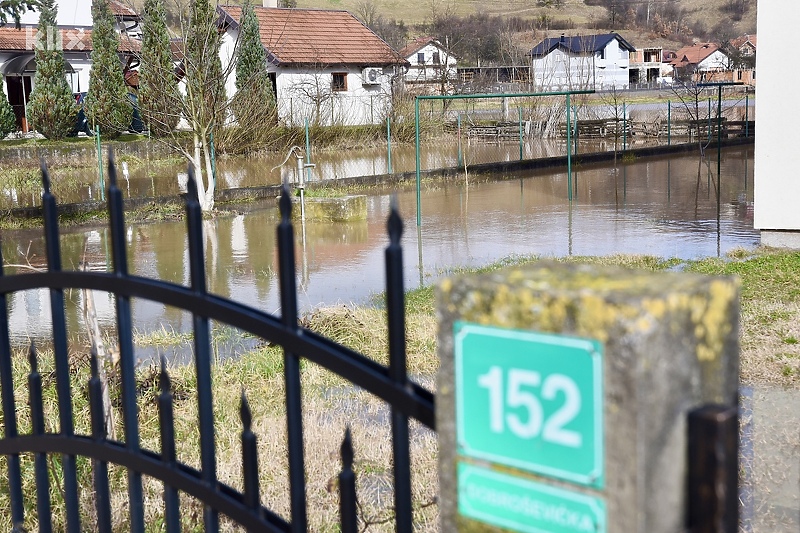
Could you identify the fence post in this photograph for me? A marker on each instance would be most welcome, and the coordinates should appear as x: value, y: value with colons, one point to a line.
x: 746, y: 112
x: 713, y: 497
x: 308, y: 155
x: 564, y: 392
x: 669, y: 123
x: 519, y: 119
x: 569, y: 153
x: 389, y: 144
x: 100, y: 163
x: 460, y: 155
x: 624, y: 127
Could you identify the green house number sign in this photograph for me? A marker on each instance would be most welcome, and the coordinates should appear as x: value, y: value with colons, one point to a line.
x: 530, y: 401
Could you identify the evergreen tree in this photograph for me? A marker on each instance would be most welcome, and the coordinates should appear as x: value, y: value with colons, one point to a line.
x: 203, y: 103
x: 14, y: 9
x: 107, y: 103
x: 205, y: 89
x: 254, y: 100
x: 52, y: 107
x: 8, y: 122
x: 158, y: 87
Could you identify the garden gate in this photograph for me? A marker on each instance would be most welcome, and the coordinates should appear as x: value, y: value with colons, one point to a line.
x: 391, y: 384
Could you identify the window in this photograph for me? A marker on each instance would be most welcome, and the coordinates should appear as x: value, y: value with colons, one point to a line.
x: 739, y: 75
x: 754, y: 73
x: 436, y: 60
x: 339, y: 82
x: 420, y: 58
x: 603, y: 53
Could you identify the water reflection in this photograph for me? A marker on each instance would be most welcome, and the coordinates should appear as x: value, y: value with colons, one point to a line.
x: 165, y: 178
x: 664, y: 207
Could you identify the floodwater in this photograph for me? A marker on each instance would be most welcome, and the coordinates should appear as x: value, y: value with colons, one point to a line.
x: 666, y: 207
x: 144, y: 178
x: 663, y: 207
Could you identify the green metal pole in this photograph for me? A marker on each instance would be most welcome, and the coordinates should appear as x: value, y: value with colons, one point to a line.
x: 709, y: 120
x: 746, y: 118
x: 416, y: 143
x: 569, y: 152
x: 577, y: 133
x: 719, y: 142
x: 624, y: 127
x: 460, y: 155
x: 308, y: 155
x: 669, y: 123
x: 100, y: 163
x: 519, y: 109
x: 389, y: 143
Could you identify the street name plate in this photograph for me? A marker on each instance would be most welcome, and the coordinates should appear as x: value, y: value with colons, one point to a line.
x: 526, y: 506
x: 531, y: 401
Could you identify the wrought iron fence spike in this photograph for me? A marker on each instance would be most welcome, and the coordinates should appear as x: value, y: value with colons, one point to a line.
x: 32, y: 358
x: 394, y: 224
x: 93, y: 362
x: 346, y: 450
x: 245, y: 412
x: 163, y: 376
x: 45, y: 175
x: 112, y: 168
x: 285, y: 204
x: 191, y: 186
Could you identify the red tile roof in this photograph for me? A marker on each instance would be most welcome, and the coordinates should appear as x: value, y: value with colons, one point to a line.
x: 416, y: 45
x: 120, y: 9
x: 72, y: 40
x: 740, y: 41
x: 316, y: 36
x: 692, y: 55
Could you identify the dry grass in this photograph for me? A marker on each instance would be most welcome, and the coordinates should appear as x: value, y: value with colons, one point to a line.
x: 770, y: 362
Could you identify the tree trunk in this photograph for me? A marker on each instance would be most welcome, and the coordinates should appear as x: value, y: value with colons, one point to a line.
x: 197, y: 165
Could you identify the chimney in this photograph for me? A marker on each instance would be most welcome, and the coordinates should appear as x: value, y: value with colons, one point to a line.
x: 563, y: 38
x: 270, y: 3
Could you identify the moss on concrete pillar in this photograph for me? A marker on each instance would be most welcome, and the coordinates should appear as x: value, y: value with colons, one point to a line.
x: 670, y: 345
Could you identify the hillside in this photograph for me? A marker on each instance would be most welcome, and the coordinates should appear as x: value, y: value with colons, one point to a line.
x: 688, y: 19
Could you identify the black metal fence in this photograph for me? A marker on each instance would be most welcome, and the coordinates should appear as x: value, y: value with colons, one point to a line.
x: 391, y: 384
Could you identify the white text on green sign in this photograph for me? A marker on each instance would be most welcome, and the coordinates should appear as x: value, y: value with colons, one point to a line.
x: 532, y: 401
x: 526, y: 506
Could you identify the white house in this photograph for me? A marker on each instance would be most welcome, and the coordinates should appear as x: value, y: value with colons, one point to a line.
x: 430, y: 64
x: 326, y: 66
x: 581, y: 62
x: 74, y: 35
x: 700, y: 61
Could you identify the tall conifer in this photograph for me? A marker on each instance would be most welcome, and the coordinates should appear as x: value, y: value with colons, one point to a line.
x: 254, y: 96
x: 51, y: 109
x: 8, y: 122
x: 158, y: 87
x: 107, y: 103
x: 205, y: 89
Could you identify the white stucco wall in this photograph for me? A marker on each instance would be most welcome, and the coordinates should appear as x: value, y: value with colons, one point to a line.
x: 301, y: 89
x: 716, y: 61
x: 559, y: 70
x: 430, y: 71
x: 777, y: 183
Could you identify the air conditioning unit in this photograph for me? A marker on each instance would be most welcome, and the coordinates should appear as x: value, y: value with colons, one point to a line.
x: 371, y: 76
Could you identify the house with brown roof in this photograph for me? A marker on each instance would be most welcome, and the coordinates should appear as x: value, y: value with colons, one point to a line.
x: 700, y: 62
x: 746, y: 45
x: 326, y: 66
x: 17, y: 63
x: 430, y: 65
